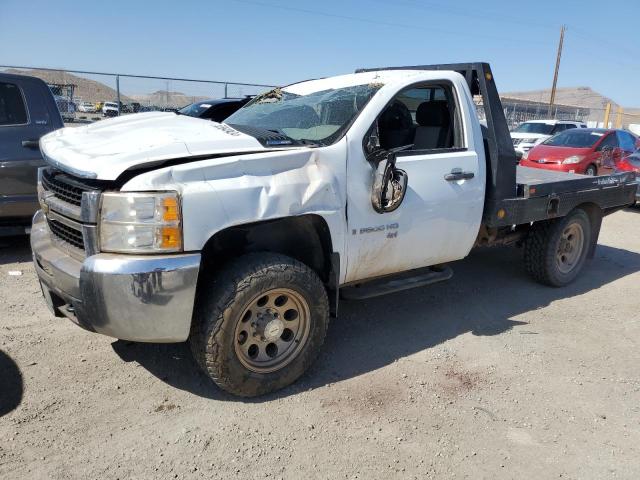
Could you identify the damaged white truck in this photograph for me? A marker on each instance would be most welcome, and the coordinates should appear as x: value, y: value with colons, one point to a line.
x: 241, y: 237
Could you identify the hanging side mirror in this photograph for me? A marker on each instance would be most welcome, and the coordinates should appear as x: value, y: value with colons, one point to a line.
x: 389, y: 183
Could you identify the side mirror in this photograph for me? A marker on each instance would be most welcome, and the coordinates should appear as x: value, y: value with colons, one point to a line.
x: 389, y: 184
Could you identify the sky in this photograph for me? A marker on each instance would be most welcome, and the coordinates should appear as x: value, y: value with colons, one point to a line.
x: 283, y: 41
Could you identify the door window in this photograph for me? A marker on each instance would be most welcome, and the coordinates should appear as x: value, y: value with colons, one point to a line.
x: 627, y: 141
x: 422, y: 117
x: 12, y: 108
x: 610, y: 141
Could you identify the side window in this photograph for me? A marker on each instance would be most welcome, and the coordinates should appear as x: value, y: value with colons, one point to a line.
x: 422, y: 116
x: 610, y: 141
x: 12, y: 108
x: 560, y: 127
x: 568, y: 126
x: 626, y: 141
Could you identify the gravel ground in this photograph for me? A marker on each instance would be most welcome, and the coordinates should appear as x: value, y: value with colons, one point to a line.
x: 486, y: 376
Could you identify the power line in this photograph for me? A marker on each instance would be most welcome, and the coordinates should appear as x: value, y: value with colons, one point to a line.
x: 456, y: 33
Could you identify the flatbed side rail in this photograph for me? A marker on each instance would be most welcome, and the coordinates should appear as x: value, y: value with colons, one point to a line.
x: 612, y: 193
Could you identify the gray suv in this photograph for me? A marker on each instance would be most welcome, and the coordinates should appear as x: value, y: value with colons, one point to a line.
x: 27, y: 112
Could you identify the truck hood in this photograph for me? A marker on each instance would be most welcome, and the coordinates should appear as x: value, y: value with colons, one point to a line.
x: 107, y: 148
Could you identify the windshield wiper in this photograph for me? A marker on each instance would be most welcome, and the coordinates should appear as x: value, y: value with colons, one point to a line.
x: 270, y: 137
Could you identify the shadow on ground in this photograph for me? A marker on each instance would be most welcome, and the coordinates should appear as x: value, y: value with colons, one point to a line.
x: 487, y: 291
x: 11, y: 386
x: 14, y: 249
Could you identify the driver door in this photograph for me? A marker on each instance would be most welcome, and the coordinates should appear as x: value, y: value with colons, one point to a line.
x: 439, y: 217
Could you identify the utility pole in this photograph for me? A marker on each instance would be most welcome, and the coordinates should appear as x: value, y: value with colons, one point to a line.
x: 555, y: 75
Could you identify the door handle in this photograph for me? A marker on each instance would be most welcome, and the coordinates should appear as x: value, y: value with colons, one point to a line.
x: 457, y: 174
x: 31, y: 144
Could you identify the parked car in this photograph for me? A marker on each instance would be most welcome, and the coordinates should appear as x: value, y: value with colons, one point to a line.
x: 589, y: 151
x: 110, y: 109
x: 216, y: 110
x: 86, y: 107
x: 529, y: 134
x: 27, y: 111
x: 354, y: 186
x: 631, y: 163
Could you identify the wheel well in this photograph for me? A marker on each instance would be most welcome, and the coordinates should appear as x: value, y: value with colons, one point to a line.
x: 306, y: 238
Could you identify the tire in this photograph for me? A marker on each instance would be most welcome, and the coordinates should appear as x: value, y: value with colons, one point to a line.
x: 591, y: 170
x: 544, y: 247
x: 228, y: 310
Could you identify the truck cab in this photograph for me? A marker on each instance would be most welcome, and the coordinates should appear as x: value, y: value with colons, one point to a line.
x: 241, y: 236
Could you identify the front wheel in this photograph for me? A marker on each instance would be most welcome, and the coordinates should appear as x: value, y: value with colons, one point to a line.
x: 555, y: 251
x: 259, y: 323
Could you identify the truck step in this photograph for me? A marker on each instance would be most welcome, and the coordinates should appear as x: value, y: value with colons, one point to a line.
x: 412, y: 279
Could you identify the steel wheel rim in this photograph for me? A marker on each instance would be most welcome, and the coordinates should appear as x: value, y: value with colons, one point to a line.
x: 272, y: 330
x: 570, y: 247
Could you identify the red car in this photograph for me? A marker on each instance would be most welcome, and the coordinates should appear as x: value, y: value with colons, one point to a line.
x: 631, y: 164
x: 589, y: 151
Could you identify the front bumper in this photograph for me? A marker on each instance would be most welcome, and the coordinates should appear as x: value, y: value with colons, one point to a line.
x: 132, y: 297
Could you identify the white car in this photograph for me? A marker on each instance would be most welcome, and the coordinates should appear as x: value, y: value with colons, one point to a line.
x: 110, y: 109
x: 86, y: 107
x: 529, y: 134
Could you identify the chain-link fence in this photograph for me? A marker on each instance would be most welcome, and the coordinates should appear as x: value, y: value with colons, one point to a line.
x: 84, y: 96
x: 517, y: 111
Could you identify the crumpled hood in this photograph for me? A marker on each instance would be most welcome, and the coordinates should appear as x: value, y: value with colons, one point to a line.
x: 105, y: 149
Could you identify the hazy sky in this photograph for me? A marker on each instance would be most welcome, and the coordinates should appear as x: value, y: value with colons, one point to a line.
x: 282, y: 41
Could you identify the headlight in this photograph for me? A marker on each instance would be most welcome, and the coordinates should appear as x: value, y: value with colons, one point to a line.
x: 140, y: 222
x: 525, y: 154
x: 573, y: 159
x: 532, y: 141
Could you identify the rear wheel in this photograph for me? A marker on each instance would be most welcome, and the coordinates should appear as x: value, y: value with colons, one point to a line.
x: 259, y: 323
x: 555, y: 251
x: 591, y: 171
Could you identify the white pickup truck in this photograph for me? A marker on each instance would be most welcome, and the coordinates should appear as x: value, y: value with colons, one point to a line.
x: 241, y: 236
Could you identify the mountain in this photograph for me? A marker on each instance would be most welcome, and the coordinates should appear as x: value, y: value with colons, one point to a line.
x: 581, y: 97
x: 86, y: 90
x: 164, y: 97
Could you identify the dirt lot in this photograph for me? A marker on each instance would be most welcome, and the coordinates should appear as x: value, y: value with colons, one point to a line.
x: 487, y: 376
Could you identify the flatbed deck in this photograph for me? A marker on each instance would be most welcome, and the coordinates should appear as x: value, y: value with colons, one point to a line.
x: 538, y: 182
x: 544, y: 194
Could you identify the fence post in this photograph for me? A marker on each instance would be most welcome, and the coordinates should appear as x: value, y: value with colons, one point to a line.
x: 226, y: 85
x: 118, y: 92
x: 607, y: 112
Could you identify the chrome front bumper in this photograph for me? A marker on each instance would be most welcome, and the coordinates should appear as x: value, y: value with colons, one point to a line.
x: 131, y: 297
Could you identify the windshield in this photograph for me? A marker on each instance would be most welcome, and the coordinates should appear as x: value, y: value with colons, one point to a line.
x: 195, y: 109
x: 319, y: 117
x: 574, y: 138
x: 542, y: 128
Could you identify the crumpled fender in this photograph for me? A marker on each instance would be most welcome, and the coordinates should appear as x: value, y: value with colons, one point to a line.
x: 223, y: 192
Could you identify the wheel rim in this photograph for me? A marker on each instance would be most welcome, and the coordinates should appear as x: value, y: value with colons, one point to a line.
x: 272, y: 330
x: 590, y: 171
x: 570, y: 247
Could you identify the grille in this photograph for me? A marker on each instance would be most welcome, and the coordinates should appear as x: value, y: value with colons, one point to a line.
x: 63, y: 188
x: 516, y: 141
x: 66, y: 234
